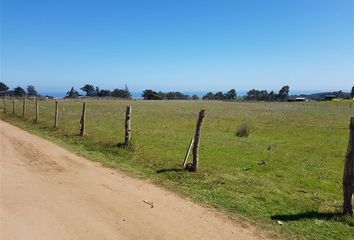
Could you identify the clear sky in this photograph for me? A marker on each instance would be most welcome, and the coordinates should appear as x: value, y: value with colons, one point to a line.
x: 186, y: 45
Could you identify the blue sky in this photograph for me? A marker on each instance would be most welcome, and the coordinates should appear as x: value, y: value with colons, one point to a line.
x: 186, y: 45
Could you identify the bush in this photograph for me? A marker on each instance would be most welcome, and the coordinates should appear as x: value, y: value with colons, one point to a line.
x: 243, y: 130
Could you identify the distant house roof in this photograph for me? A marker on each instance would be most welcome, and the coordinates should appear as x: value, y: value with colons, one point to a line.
x: 297, y: 99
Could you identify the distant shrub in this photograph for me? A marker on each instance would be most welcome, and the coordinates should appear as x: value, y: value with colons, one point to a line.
x: 243, y: 130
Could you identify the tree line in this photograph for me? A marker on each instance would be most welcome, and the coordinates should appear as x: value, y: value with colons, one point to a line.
x: 148, y: 94
x: 256, y: 95
x: 230, y: 95
x: 91, y: 91
x: 264, y: 95
x: 19, y: 91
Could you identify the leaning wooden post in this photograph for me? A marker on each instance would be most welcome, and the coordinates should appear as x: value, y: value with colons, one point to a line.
x: 24, y: 108
x: 197, y: 141
x: 37, y: 111
x: 187, y: 153
x: 348, y: 176
x: 13, y: 106
x: 128, y: 113
x: 83, y: 120
x: 56, y: 115
x: 4, y: 104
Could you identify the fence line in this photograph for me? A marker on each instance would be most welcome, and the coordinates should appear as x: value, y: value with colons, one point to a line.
x: 348, y: 173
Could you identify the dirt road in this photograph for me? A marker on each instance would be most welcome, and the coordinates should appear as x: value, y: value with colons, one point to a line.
x: 50, y: 193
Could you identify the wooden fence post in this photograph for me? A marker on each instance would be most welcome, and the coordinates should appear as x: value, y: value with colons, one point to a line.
x: 348, y: 176
x: 4, y: 104
x: 128, y: 113
x: 56, y: 115
x: 24, y: 108
x: 83, y: 120
x: 37, y: 111
x: 13, y: 106
x: 197, y: 141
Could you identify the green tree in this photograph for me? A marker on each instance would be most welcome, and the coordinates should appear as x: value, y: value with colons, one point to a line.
x: 283, y: 94
x: 219, y: 96
x: 89, y: 89
x: 19, y: 92
x: 126, y: 89
x: 195, y: 97
x: 263, y: 95
x: 272, y: 96
x: 176, y: 96
x: 104, y: 93
x: 162, y: 95
x: 252, y: 94
x: 31, y: 91
x: 121, y: 93
x: 151, y: 95
x: 258, y: 95
x: 209, y: 96
x: 72, y: 93
x: 3, y: 87
x: 352, y: 92
x: 231, y: 95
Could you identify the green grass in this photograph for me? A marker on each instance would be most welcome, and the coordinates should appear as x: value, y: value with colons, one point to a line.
x: 300, y: 184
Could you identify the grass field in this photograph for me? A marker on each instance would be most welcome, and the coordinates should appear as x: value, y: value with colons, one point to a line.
x: 300, y: 184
